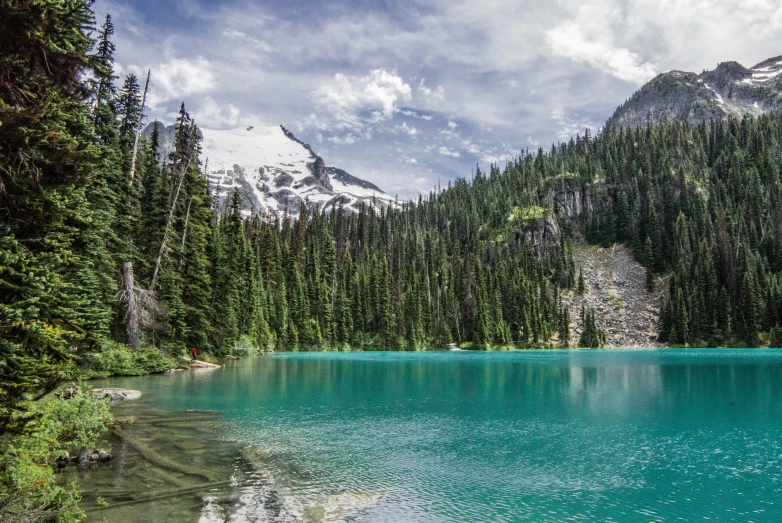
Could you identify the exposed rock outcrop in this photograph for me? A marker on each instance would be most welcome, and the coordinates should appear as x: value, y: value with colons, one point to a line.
x: 318, y: 170
x: 567, y: 198
x: 116, y: 394
x: 616, y: 290
x: 542, y: 235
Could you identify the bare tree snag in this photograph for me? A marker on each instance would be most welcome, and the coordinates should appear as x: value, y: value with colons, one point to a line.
x: 132, y: 316
x: 175, y: 197
x: 138, y: 130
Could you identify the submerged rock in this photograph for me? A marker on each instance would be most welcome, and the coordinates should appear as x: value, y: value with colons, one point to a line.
x: 84, y: 456
x: 116, y: 394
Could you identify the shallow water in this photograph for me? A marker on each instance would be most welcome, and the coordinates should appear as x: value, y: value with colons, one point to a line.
x: 664, y: 435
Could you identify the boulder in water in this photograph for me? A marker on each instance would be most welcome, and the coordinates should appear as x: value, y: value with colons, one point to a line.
x: 116, y: 394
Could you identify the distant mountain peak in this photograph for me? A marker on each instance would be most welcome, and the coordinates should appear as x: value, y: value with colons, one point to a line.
x: 275, y: 172
x: 728, y: 89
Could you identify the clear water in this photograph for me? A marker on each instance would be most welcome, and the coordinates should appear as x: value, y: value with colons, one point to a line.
x: 663, y: 435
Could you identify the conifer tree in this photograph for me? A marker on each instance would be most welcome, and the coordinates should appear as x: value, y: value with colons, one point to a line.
x: 581, y: 282
x: 564, y: 328
x: 649, y: 260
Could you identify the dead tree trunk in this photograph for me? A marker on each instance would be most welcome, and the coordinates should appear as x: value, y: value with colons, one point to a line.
x: 132, y: 316
x: 171, y: 210
x: 138, y: 130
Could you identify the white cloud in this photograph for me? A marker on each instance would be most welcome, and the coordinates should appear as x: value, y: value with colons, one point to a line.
x: 348, y: 139
x: 354, y: 102
x: 570, y: 125
x: 448, y: 133
x: 211, y: 114
x: 409, y: 130
x: 408, y: 112
x: 177, y: 79
x: 447, y: 152
x: 422, y: 184
x: 471, y: 147
x: 452, y: 125
x: 570, y: 41
x: 434, y: 95
x: 245, y: 39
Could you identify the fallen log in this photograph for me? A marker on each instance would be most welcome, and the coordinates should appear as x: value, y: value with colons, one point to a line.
x: 155, y: 458
x: 154, y: 496
x: 197, y: 364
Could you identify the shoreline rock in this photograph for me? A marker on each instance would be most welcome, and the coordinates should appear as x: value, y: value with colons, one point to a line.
x: 116, y: 394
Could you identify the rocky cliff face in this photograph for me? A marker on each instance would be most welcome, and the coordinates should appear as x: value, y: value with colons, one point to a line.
x: 567, y: 198
x: 274, y: 172
x: 542, y: 235
x: 730, y: 89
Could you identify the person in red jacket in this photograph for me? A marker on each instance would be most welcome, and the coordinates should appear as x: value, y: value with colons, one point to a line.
x: 195, y: 353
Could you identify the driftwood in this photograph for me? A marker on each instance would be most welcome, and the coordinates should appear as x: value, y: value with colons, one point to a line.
x: 156, y: 496
x: 161, y: 461
x: 201, y: 364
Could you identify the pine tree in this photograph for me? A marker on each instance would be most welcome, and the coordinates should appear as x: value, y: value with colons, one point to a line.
x: 129, y: 110
x: 564, y: 328
x: 649, y: 261
x: 591, y: 336
x: 46, y: 154
x: 775, y: 337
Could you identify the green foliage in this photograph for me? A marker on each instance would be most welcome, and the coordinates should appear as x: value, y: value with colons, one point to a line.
x: 119, y: 360
x: 527, y: 215
x: 52, y: 300
x: 591, y: 335
x: 28, y: 490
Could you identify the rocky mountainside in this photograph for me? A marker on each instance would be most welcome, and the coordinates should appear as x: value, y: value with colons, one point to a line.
x: 626, y: 311
x: 274, y: 172
x: 730, y: 89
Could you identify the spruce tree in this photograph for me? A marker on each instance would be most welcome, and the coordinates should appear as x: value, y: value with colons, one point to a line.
x: 581, y: 283
x: 648, y: 261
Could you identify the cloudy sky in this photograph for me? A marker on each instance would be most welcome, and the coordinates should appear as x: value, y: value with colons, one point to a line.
x: 409, y: 93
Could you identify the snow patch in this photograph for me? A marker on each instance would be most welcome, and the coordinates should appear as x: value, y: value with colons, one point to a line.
x: 274, y: 171
x: 719, y: 98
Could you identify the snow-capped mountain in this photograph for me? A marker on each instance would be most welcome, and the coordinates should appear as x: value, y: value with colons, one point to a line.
x: 275, y: 172
x: 730, y: 89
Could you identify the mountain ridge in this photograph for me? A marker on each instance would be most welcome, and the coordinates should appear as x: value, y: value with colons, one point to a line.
x: 730, y: 89
x: 273, y: 171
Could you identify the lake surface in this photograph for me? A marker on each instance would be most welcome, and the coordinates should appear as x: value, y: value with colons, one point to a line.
x: 663, y: 435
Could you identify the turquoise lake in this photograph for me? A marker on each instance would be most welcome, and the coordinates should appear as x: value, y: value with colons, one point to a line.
x: 615, y: 435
